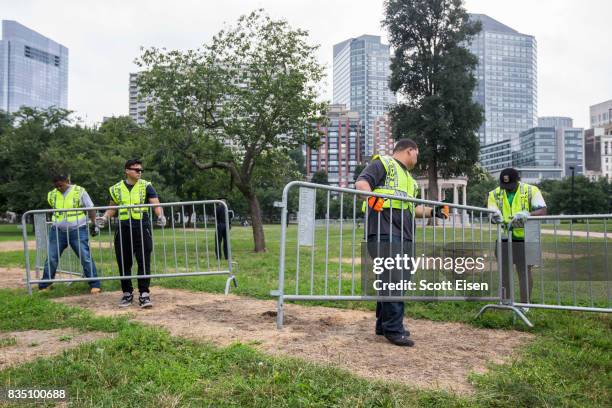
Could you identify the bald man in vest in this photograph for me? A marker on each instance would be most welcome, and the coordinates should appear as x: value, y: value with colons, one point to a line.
x: 133, y: 237
x: 388, y: 220
x: 514, y: 201
x: 70, y: 228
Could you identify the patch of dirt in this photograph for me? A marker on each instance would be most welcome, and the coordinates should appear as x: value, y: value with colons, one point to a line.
x: 7, y: 246
x: 12, y: 278
x: 445, y: 353
x: 32, y: 344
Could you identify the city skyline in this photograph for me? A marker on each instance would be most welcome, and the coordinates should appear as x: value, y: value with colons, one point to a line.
x: 104, y: 39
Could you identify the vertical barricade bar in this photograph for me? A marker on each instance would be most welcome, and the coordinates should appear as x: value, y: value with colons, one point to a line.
x: 281, y: 267
x: 24, y: 232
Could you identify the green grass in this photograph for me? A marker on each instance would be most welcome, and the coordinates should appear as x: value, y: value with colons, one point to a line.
x: 568, y: 364
x: 10, y: 232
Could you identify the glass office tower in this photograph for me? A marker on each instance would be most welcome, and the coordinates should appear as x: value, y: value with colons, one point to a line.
x: 507, y: 81
x: 361, y: 82
x: 33, y: 69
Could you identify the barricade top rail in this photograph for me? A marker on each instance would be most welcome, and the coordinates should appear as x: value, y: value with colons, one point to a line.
x: 570, y: 217
x: 373, y: 194
x: 116, y: 207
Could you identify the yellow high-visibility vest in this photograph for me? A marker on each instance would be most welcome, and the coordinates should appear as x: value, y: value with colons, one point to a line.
x: 137, y: 195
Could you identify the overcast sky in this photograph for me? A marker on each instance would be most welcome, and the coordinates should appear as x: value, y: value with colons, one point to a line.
x: 104, y: 37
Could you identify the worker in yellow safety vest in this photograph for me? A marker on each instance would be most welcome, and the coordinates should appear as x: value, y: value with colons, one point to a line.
x: 133, y: 235
x: 391, y: 222
x: 513, y: 202
x: 70, y: 228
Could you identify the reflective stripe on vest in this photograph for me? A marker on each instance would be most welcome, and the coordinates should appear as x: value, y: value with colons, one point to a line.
x: 72, y: 200
x: 398, y: 182
x: 523, y: 195
x: 137, y: 195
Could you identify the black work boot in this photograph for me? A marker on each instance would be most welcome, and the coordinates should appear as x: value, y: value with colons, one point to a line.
x: 400, y: 340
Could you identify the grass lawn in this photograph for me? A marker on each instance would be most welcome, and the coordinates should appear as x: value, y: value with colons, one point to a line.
x: 568, y: 364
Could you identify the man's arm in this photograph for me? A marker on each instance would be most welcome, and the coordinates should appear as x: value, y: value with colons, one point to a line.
x: 159, y: 211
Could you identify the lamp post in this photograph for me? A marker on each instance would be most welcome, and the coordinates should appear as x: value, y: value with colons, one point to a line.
x: 573, y: 210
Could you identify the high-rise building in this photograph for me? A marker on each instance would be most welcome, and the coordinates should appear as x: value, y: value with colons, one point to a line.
x: 506, y: 81
x: 601, y: 114
x: 496, y: 156
x: 33, y: 69
x: 339, y: 152
x: 361, y: 82
x: 138, y: 107
x: 383, y: 137
x: 569, y: 143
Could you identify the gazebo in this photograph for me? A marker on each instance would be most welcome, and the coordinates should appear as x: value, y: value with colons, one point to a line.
x: 459, y: 188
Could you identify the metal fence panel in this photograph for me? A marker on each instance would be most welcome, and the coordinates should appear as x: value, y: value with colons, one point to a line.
x: 335, y: 266
x: 188, y: 245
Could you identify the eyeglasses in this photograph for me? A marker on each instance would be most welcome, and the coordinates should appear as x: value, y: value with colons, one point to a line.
x: 138, y: 170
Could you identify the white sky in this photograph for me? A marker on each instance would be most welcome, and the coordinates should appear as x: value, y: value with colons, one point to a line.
x: 104, y: 37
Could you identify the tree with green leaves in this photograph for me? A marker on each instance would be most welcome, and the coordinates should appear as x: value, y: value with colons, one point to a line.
x: 228, y: 105
x: 432, y: 71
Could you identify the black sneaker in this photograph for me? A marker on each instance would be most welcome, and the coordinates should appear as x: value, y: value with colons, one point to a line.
x: 145, y: 300
x: 126, y: 300
x: 400, y: 340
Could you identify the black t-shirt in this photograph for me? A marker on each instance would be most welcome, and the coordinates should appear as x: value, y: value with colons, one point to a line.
x: 375, y: 175
x: 150, y: 193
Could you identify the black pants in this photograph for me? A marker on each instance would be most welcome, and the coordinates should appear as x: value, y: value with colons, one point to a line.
x: 390, y: 315
x: 221, y: 240
x: 134, y: 240
x: 523, y: 270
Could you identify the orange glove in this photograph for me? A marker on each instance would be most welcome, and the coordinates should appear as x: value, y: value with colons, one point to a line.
x: 376, y: 203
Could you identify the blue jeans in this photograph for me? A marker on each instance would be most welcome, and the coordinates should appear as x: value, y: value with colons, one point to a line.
x: 78, y: 239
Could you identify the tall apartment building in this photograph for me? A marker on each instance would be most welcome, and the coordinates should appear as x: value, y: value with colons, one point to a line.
x: 361, y: 82
x: 383, y: 136
x: 138, y: 107
x: 33, y: 69
x: 506, y: 81
x: 339, y: 152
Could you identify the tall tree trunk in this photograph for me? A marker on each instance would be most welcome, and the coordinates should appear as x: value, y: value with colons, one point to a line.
x: 258, y: 232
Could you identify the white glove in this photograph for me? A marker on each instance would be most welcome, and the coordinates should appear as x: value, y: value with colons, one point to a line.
x: 161, y: 221
x: 497, y: 217
x: 518, y: 221
x: 101, y: 221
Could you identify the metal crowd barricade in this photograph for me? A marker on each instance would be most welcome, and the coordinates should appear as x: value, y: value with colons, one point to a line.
x: 319, y: 260
x: 185, y: 246
x: 570, y: 266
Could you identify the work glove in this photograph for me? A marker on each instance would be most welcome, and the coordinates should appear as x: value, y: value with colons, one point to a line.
x: 101, y: 221
x: 161, y: 221
x: 441, y: 212
x: 93, y: 230
x: 497, y: 217
x: 376, y: 203
x: 518, y: 221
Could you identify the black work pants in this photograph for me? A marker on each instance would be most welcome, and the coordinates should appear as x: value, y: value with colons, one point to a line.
x: 390, y: 315
x: 221, y: 240
x: 134, y: 240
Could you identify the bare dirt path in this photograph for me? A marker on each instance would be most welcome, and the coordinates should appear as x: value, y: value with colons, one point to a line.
x: 12, y: 278
x: 445, y: 353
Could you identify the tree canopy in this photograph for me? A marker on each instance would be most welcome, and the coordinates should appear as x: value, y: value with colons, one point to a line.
x: 236, y: 102
x: 432, y: 71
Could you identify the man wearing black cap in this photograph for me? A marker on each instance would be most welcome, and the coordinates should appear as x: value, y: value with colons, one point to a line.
x: 514, y: 202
